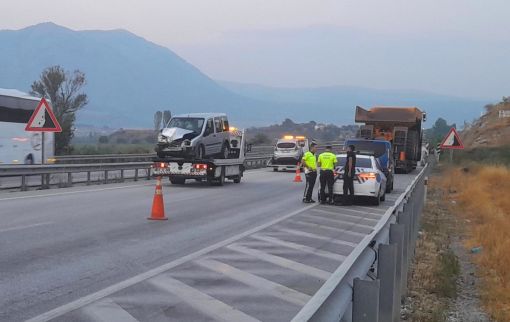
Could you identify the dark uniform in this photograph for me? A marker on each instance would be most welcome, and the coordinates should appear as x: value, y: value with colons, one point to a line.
x: 349, y: 178
x: 327, y: 162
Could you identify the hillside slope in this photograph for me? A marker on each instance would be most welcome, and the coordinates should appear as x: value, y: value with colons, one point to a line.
x: 490, y: 130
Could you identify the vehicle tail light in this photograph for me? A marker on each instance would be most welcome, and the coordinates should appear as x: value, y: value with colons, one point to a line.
x: 367, y: 175
x: 160, y: 165
x: 200, y: 166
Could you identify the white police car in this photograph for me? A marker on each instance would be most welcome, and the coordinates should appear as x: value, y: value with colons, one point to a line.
x: 369, y: 180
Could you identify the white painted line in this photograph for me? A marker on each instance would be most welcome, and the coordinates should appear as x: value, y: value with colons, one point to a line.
x: 370, y: 208
x: 283, y: 262
x: 269, y: 287
x: 76, y: 192
x: 349, y: 224
x: 25, y: 227
x: 340, y: 214
x: 107, y: 311
x: 314, y: 236
x: 299, y: 247
x: 315, y: 225
x: 362, y: 212
x: 153, y: 272
x: 202, y: 302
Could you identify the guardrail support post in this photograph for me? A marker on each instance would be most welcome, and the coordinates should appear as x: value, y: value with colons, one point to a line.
x: 397, y: 239
x: 386, y: 272
x: 105, y: 176
x: 23, y: 183
x: 88, y: 178
x: 136, y: 174
x: 69, y: 179
x: 365, y: 306
x: 406, y: 249
x: 148, y: 173
x: 121, y: 175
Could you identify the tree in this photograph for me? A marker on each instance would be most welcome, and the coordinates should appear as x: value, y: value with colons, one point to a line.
x: 158, y: 116
x: 64, y: 90
x: 167, y: 115
x: 260, y: 138
x: 103, y: 139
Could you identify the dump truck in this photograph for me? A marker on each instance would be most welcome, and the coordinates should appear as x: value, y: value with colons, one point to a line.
x: 402, y: 126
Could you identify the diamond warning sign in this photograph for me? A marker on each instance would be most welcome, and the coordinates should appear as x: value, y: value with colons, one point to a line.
x: 43, y: 119
x: 452, y: 140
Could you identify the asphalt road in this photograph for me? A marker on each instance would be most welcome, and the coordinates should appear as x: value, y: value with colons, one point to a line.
x: 58, y: 246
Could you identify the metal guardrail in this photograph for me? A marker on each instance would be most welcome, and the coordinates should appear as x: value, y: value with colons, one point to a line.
x: 369, y: 284
x: 137, y: 170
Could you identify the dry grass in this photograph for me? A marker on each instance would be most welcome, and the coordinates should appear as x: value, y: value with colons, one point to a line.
x: 481, y: 197
x: 433, y: 275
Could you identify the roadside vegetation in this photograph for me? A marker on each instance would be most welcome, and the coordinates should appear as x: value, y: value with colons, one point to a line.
x: 435, y: 270
x: 479, y: 196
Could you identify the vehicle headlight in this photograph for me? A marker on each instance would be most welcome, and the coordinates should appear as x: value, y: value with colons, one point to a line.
x: 186, y: 143
x: 161, y: 138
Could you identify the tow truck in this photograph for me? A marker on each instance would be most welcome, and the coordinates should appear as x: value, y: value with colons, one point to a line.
x: 288, y: 152
x: 212, y: 171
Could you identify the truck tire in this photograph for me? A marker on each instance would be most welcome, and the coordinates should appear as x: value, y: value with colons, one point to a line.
x: 237, y: 179
x: 221, y: 180
x: 275, y: 169
x: 178, y: 181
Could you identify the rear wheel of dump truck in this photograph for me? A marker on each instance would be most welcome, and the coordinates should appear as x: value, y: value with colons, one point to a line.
x: 237, y: 179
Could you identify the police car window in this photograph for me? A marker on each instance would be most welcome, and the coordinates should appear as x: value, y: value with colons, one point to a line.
x: 360, y: 162
x: 286, y: 145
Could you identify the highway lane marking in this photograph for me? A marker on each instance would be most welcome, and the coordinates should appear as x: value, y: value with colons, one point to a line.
x: 363, y: 212
x: 155, y: 271
x: 280, y: 261
x: 296, y: 246
x: 267, y: 286
x: 315, y: 225
x: 204, y: 303
x: 348, y: 224
x: 339, y: 214
x: 107, y: 310
x: 314, y: 236
x: 76, y: 192
x: 25, y: 227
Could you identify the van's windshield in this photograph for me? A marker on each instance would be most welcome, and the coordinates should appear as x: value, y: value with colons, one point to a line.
x: 187, y: 123
x: 378, y: 148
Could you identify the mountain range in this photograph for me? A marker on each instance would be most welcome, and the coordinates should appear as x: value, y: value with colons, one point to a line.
x: 129, y: 78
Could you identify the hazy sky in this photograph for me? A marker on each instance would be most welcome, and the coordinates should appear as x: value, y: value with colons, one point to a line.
x: 458, y: 47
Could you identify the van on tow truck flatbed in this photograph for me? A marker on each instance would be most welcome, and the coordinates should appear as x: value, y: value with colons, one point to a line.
x: 213, y: 171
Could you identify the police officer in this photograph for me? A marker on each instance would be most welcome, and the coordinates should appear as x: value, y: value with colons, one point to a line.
x: 349, y: 172
x: 310, y: 165
x: 327, y: 162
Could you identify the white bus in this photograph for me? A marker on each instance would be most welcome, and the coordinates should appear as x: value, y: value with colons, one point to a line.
x: 18, y: 146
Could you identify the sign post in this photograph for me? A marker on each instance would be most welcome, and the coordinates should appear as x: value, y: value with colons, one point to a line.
x: 43, y: 120
x: 452, y: 142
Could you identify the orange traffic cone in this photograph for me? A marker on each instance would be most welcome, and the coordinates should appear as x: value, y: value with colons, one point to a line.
x: 297, y: 178
x: 158, y: 207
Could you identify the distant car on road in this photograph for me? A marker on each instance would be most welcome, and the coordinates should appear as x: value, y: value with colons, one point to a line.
x: 288, y: 152
x: 369, y: 180
x: 195, y: 136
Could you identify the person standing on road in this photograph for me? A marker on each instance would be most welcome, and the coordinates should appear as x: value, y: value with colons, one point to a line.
x: 310, y: 164
x: 327, y: 162
x: 349, y: 172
